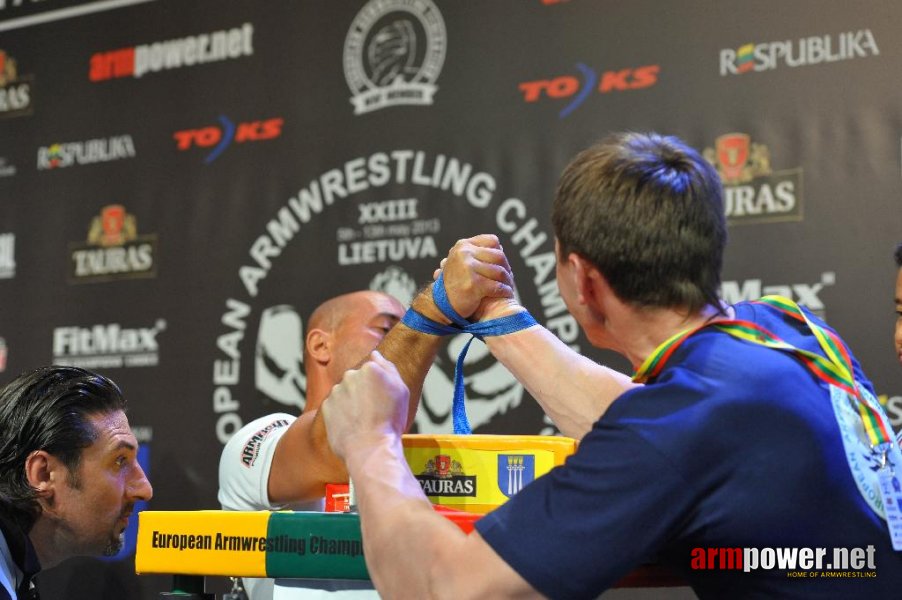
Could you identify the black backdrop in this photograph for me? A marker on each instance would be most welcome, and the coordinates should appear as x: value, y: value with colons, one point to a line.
x: 183, y: 181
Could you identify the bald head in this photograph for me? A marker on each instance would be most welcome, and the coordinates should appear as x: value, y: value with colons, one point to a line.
x: 333, y: 311
x: 341, y: 333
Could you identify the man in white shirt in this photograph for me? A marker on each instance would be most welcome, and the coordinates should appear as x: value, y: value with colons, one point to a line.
x: 284, y: 462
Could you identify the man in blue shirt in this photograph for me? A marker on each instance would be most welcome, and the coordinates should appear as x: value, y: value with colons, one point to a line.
x: 755, y: 435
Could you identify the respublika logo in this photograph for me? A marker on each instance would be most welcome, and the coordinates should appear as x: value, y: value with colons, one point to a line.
x: 15, y: 89
x: 188, y: 51
x: 570, y: 88
x: 108, y: 346
x: 220, y: 138
x: 753, y: 192
x: 114, y: 249
x: 58, y: 156
x: 399, y: 62
x: 7, y: 255
x: 444, y: 476
x: 806, y: 51
x: 807, y: 294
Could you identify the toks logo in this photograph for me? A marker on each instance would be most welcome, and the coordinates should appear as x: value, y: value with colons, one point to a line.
x: 753, y: 193
x: 15, y: 90
x: 173, y: 54
x: 114, y: 249
x: 569, y: 86
x: 222, y: 137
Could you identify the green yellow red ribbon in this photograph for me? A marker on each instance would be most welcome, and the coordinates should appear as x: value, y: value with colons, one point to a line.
x: 835, y: 367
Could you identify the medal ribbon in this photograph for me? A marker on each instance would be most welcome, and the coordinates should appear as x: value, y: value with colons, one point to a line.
x: 835, y: 368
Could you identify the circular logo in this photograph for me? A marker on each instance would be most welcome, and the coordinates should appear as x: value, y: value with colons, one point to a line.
x: 393, y: 54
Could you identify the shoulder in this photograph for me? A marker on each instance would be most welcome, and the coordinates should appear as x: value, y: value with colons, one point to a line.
x: 247, y: 441
x: 246, y: 459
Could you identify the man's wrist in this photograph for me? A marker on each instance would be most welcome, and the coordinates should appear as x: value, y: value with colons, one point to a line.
x: 501, y: 308
x: 364, y: 446
x: 425, y: 305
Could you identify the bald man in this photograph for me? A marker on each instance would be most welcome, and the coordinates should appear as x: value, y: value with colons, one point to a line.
x: 284, y: 462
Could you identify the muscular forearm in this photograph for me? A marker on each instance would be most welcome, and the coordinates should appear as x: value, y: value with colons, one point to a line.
x: 402, y: 535
x: 413, y: 552
x: 413, y: 352
x: 304, y: 463
x: 574, y: 391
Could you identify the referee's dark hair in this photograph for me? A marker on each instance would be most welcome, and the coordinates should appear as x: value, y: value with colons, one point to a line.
x: 48, y: 409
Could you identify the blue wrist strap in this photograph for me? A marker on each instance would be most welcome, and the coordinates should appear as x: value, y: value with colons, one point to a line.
x: 500, y: 326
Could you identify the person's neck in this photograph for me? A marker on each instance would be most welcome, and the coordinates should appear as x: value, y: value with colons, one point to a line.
x: 643, y: 330
x: 317, y: 391
x: 47, y: 546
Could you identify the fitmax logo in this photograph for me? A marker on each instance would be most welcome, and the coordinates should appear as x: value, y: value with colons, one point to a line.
x: 220, y: 138
x: 102, y: 339
x: 803, y: 293
x: 569, y: 86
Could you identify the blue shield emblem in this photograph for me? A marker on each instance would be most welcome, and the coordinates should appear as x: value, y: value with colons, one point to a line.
x: 514, y: 472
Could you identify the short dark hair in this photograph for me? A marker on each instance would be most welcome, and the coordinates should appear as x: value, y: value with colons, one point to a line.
x: 647, y: 211
x: 48, y: 409
x: 899, y: 256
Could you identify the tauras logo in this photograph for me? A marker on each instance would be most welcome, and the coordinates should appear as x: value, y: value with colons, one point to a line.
x: 455, y: 486
x: 107, y: 346
x: 807, y: 294
x: 114, y: 250
x: 804, y: 51
x: 753, y: 192
x: 57, y: 156
x: 15, y: 90
x: 443, y: 476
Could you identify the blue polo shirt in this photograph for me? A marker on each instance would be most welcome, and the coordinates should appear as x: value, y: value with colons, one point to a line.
x: 733, y: 445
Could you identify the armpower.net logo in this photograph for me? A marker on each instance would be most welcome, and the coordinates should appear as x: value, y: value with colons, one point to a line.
x: 801, y: 563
